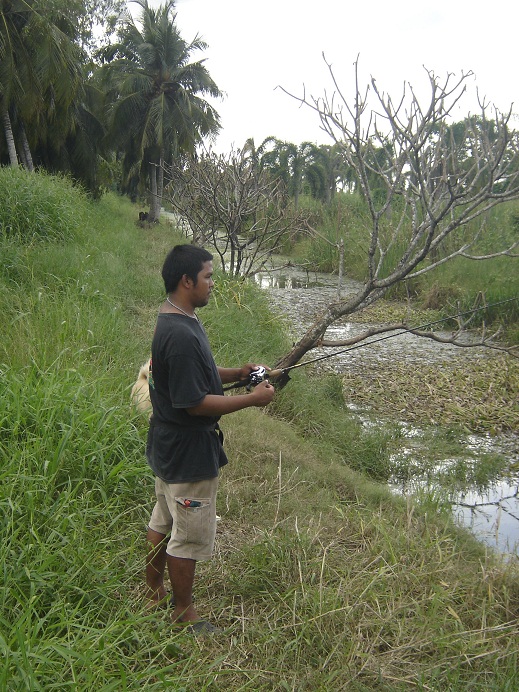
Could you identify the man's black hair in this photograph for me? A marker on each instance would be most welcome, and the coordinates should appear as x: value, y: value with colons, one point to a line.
x: 183, y: 259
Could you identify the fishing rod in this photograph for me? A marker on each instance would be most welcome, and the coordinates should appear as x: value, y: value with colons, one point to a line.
x: 261, y: 373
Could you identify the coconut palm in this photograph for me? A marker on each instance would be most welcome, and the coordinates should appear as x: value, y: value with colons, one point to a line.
x: 157, y: 109
x: 13, y: 58
x: 40, y: 74
x: 288, y: 162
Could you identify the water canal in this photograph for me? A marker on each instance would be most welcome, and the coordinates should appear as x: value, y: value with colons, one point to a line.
x: 491, y: 511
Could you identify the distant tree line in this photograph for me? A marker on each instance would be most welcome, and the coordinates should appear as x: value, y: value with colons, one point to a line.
x: 108, y: 106
x: 88, y: 91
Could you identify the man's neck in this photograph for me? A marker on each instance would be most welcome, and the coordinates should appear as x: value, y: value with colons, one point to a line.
x: 184, y: 310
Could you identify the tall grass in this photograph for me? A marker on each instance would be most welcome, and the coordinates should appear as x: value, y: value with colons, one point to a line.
x: 462, y: 282
x: 42, y: 207
x: 346, y: 219
x: 321, y: 579
x: 456, y: 283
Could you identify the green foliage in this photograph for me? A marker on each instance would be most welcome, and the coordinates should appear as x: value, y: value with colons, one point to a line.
x: 466, y: 281
x: 245, y: 305
x: 321, y: 579
x: 316, y: 407
x: 54, y: 102
x: 39, y: 207
x: 43, y: 89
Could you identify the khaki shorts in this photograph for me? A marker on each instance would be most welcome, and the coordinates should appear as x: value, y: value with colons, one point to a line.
x: 188, y: 511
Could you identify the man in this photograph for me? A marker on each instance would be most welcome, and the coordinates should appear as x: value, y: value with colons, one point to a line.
x: 184, y: 447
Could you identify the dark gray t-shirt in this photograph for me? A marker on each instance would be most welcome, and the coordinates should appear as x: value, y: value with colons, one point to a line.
x: 182, y: 448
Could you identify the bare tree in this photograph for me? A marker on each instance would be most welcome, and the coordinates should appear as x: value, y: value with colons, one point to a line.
x: 426, y: 201
x: 235, y: 207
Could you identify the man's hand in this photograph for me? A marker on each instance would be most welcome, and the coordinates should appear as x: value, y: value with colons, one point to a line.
x: 246, y: 370
x: 230, y: 375
x: 263, y: 393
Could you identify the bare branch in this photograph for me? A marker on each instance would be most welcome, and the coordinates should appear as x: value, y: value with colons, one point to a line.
x: 427, y: 181
x: 457, y: 339
x: 232, y: 205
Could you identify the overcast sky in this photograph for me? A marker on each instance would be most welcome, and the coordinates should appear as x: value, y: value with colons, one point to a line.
x: 255, y: 47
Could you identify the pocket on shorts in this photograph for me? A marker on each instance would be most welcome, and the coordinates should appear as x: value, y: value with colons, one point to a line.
x: 193, y: 519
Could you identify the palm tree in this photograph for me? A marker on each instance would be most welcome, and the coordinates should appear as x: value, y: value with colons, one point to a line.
x: 258, y: 153
x: 326, y: 169
x: 12, y: 56
x: 40, y: 74
x: 288, y: 162
x: 157, y: 109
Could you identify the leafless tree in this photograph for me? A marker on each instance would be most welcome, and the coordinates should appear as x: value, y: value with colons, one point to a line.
x: 426, y: 201
x: 235, y: 207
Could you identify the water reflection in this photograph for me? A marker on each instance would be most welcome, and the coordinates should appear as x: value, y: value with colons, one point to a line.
x: 493, y: 515
x: 490, y: 513
x: 287, y: 280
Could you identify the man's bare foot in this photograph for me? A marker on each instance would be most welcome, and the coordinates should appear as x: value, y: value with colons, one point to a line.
x: 184, y: 615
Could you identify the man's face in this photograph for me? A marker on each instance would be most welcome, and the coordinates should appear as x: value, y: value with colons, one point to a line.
x: 204, y: 285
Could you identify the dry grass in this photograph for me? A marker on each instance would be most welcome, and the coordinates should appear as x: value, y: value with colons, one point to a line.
x: 482, y: 395
x: 323, y: 581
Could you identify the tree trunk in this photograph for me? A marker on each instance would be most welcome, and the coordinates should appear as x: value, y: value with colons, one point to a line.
x: 341, y: 268
x: 160, y: 188
x: 9, y: 137
x: 296, y: 195
x: 156, y: 190
x: 26, y: 150
x: 153, y: 193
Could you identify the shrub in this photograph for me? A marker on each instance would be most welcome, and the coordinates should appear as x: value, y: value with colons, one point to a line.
x: 38, y: 206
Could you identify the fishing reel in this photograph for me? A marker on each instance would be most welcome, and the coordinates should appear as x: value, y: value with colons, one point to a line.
x: 254, y: 378
x: 257, y: 376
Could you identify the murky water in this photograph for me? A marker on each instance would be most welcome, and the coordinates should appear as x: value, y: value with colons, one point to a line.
x: 492, y: 514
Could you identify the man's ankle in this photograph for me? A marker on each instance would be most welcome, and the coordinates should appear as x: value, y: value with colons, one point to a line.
x: 156, y: 593
x: 184, y: 614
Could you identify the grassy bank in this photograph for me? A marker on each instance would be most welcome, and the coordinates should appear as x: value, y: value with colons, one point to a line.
x: 321, y: 578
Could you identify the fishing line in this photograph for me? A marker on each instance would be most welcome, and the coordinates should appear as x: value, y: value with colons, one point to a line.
x: 259, y: 375
x: 403, y: 331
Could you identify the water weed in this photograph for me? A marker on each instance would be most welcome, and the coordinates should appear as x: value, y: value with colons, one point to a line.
x: 480, y: 396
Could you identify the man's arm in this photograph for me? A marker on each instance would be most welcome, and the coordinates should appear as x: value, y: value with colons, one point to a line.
x: 228, y: 375
x: 217, y: 405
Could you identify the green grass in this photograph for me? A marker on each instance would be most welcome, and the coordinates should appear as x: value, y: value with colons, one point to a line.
x: 42, y: 207
x: 455, y: 285
x: 322, y: 579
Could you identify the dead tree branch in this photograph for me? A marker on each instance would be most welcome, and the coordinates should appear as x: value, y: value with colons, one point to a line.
x: 428, y: 183
x: 233, y: 206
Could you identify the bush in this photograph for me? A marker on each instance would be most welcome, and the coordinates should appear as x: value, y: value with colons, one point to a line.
x: 38, y: 206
